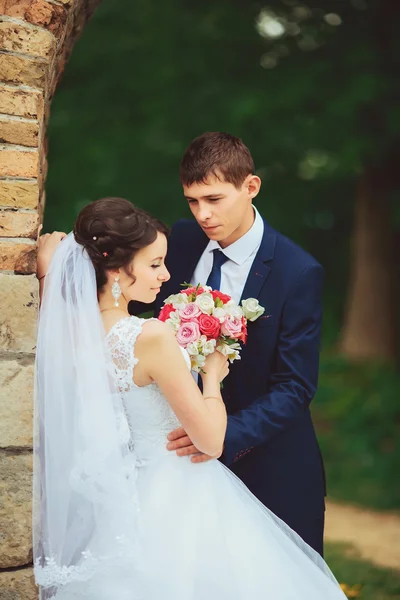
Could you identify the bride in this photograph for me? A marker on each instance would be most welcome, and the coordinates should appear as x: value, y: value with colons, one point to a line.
x: 116, y: 515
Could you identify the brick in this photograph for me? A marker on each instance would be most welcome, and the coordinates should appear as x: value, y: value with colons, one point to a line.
x: 38, y: 12
x: 17, y: 130
x: 21, y: 103
x: 18, y: 257
x: 14, y: 8
x: 18, y: 163
x: 20, y: 69
x: 15, y: 509
x: 18, y: 224
x: 18, y: 585
x: 27, y: 40
x: 19, y: 194
x: 18, y: 315
x: 16, y: 408
x: 51, y: 16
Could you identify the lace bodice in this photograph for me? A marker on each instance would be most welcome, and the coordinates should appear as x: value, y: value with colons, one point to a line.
x: 149, y: 414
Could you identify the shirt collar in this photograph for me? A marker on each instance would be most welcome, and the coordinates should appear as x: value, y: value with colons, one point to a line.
x: 244, y: 247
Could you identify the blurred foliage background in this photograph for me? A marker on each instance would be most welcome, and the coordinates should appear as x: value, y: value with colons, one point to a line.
x: 313, y: 90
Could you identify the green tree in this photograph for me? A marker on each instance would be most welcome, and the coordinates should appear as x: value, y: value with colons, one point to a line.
x: 311, y: 89
x: 342, y: 60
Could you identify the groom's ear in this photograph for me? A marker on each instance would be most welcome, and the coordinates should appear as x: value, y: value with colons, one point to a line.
x: 253, y: 184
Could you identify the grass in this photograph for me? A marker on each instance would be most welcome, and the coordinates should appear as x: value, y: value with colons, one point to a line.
x: 361, y: 579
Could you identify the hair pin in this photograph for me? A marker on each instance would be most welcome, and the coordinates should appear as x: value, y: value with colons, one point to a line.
x: 105, y: 254
x: 94, y: 238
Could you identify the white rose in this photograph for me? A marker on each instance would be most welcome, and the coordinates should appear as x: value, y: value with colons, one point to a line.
x: 233, y: 310
x: 170, y: 299
x: 252, y: 309
x: 180, y: 300
x: 177, y: 300
x: 205, y: 302
x: 220, y: 314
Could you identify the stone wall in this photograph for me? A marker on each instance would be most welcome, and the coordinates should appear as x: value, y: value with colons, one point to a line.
x: 36, y: 38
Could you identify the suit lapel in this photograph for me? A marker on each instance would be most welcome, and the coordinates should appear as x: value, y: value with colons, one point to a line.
x: 260, y: 269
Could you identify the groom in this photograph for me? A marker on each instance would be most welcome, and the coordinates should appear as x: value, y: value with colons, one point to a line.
x: 270, y: 442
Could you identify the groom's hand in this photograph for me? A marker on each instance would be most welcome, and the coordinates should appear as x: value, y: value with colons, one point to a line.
x: 182, y: 444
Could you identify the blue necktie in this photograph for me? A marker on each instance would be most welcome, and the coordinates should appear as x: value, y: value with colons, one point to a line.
x: 214, y: 278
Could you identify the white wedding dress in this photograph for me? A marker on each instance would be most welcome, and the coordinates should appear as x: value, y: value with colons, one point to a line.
x: 200, y: 532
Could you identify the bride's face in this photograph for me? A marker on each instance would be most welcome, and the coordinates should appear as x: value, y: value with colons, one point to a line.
x: 148, y: 267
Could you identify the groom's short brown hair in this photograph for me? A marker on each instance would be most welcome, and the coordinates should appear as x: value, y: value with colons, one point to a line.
x: 216, y: 153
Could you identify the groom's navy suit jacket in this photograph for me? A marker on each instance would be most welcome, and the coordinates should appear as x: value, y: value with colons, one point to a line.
x: 270, y: 442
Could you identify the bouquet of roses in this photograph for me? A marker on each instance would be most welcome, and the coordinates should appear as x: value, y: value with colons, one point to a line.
x: 205, y: 320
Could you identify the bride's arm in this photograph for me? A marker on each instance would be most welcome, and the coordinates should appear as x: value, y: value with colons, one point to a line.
x: 203, y: 416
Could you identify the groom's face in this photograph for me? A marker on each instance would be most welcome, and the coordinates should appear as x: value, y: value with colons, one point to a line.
x: 224, y: 212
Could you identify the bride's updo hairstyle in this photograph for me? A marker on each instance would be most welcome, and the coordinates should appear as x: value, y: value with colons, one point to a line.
x: 112, y: 230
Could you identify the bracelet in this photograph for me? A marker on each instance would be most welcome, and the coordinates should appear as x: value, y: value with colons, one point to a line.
x: 215, y: 397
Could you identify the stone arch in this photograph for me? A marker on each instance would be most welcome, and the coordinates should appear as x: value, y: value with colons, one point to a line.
x: 36, y: 38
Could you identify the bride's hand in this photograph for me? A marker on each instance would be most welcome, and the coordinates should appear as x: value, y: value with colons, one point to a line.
x: 216, y: 366
x: 47, y: 245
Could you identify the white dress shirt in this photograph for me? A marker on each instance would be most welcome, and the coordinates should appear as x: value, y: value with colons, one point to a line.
x: 241, y: 254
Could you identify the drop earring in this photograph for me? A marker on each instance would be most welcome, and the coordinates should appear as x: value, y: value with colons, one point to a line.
x: 116, y: 291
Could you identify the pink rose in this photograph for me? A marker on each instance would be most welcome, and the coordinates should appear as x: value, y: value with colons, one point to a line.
x: 209, y: 326
x: 189, y: 312
x: 187, y: 333
x: 232, y: 327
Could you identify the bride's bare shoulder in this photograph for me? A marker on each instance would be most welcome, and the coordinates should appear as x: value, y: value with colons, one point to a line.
x: 156, y: 340
x: 153, y: 329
